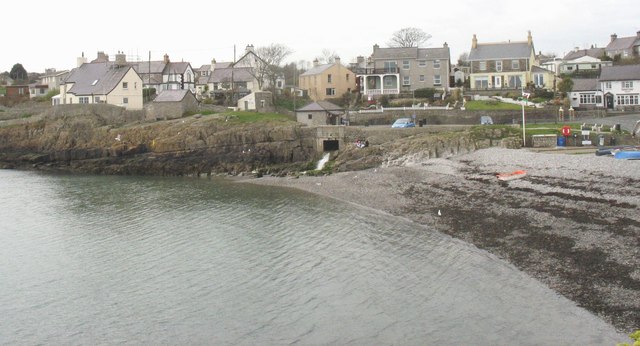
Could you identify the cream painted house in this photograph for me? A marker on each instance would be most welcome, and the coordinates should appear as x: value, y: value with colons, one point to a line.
x: 115, y: 83
x: 327, y: 81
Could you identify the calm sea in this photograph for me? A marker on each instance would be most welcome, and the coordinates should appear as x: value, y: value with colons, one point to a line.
x: 141, y: 260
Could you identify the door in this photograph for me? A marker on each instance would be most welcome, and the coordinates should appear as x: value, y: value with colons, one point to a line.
x: 609, y: 98
x: 497, y: 82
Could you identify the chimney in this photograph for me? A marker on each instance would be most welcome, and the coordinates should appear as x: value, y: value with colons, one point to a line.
x: 375, y: 47
x: 81, y: 60
x: 249, y: 48
x: 614, y: 37
x: 445, y: 45
x: 474, y: 42
x: 529, y: 38
x: 102, y: 57
x: 213, y: 65
x: 121, y: 59
x: 360, y: 59
x: 166, y: 58
x: 337, y: 60
x: 638, y: 34
x: 577, y: 49
x: 316, y: 63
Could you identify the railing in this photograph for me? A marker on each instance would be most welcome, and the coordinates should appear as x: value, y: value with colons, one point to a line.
x: 373, y: 92
x: 371, y: 70
x: 415, y: 107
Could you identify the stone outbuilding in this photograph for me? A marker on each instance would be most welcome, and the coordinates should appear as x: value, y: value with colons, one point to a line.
x: 171, y: 104
x: 320, y: 113
x: 260, y: 102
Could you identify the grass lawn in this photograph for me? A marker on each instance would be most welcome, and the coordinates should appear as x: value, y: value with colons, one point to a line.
x: 490, y: 106
x: 550, y: 128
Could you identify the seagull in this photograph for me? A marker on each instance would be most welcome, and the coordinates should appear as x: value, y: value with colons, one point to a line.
x: 439, y: 213
x: 118, y: 137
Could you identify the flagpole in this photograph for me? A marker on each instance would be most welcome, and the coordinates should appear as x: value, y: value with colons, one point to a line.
x: 524, y: 137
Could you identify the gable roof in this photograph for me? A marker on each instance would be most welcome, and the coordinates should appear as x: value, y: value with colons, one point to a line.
x: 319, y: 106
x: 96, y: 78
x: 504, y: 50
x: 592, y: 52
x: 623, y: 43
x: 144, y: 67
x: 539, y: 69
x: 240, y: 74
x: 621, y: 72
x: 176, y: 67
x: 317, y: 70
x: 172, y: 95
x: 585, y: 84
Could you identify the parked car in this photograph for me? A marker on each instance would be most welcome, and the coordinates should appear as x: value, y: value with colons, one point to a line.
x: 403, y: 122
x: 486, y: 120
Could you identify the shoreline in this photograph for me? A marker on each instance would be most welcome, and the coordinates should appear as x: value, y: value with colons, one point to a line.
x: 572, y: 222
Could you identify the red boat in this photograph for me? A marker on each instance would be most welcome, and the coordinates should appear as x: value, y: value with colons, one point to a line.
x: 511, y: 176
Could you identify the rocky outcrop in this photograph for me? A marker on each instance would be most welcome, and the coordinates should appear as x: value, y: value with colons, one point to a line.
x: 192, y: 145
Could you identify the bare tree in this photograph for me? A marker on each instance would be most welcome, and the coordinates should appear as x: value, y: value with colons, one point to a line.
x: 408, y: 37
x: 463, y: 59
x: 266, y: 68
x: 327, y: 57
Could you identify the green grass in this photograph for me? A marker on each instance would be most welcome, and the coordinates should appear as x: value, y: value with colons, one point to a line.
x: 3, y: 90
x: 252, y: 117
x: 490, y: 106
x: 550, y: 128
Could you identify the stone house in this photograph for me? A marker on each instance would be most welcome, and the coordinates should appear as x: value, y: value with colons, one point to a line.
x: 171, y: 104
x: 391, y: 71
x: 503, y: 65
x: 320, y: 113
x: 625, y: 47
x: 259, y: 101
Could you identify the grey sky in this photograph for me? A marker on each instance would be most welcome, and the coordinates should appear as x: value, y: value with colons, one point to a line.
x: 45, y: 34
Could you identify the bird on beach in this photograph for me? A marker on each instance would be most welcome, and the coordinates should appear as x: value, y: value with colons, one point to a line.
x: 439, y: 213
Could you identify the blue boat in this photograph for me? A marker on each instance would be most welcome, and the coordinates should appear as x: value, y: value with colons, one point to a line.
x: 627, y: 155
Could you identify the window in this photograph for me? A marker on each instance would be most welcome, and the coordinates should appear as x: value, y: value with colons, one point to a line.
x: 515, y: 64
x: 125, y: 85
x: 538, y: 80
x: 97, y: 99
x: 310, y: 116
x: 482, y: 66
x: 406, y: 80
x: 482, y: 82
x: 347, y: 77
x: 607, y: 85
x: 390, y: 82
x: 436, y: 64
x: 515, y: 82
x: 83, y: 99
x: 627, y: 99
x: 405, y: 64
x: 331, y: 91
x: 498, y: 66
x: 125, y: 100
x: 329, y: 78
x: 390, y: 67
x: 135, y: 85
x: 587, y: 99
x: 422, y: 78
x: 422, y: 63
x: 627, y: 85
x: 437, y: 80
x: 41, y: 90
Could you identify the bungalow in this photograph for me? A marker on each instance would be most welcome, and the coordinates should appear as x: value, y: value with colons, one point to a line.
x: 584, y: 60
x: 586, y: 93
x: 116, y: 83
x: 320, y: 113
x: 621, y: 86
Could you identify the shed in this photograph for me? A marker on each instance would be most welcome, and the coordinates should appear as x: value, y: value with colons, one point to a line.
x: 172, y: 104
x: 320, y: 113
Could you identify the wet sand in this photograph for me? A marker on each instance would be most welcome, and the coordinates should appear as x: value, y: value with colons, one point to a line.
x: 573, y: 222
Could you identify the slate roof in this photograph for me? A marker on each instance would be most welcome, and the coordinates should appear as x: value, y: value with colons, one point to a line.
x: 504, y: 50
x: 319, y: 106
x: 410, y: 53
x: 592, y: 52
x: 621, y: 43
x: 585, y: 84
x: 540, y: 69
x: 317, y: 70
x: 176, y: 67
x: 144, y: 67
x: 242, y: 74
x: 622, y: 72
x: 171, y: 95
x: 96, y: 78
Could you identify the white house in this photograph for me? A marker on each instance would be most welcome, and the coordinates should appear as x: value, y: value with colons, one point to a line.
x: 584, y: 60
x: 115, y: 83
x: 621, y: 86
x: 586, y: 93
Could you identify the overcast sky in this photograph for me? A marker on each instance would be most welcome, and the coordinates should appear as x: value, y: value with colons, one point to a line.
x: 41, y: 34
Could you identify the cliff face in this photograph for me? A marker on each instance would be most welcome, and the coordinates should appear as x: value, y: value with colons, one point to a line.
x: 87, y: 143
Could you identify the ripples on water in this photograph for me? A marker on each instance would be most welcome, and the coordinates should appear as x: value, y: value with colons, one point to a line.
x: 109, y: 260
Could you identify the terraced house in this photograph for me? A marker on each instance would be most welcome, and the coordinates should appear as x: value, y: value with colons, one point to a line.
x: 392, y: 71
x: 503, y: 65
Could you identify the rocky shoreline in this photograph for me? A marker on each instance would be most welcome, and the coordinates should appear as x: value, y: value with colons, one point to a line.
x: 572, y: 222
